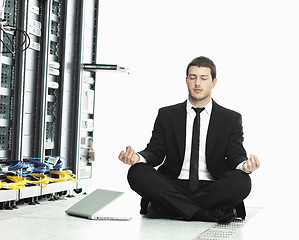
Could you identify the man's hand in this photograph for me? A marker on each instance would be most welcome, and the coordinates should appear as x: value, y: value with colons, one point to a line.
x: 251, y: 164
x: 129, y: 157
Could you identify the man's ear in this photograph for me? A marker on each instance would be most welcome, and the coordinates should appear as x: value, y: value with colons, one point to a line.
x: 214, y: 82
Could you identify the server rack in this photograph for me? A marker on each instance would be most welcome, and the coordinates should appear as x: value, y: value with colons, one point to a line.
x: 46, y: 97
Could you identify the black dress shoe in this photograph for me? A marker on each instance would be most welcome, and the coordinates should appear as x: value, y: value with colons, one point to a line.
x: 154, y: 210
x: 221, y: 215
x: 225, y: 214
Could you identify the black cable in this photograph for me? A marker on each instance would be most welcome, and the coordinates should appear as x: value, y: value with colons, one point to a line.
x: 26, y: 37
x: 15, y: 49
x: 4, y: 44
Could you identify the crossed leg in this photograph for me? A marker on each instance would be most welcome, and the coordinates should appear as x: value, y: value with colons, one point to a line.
x: 174, y: 194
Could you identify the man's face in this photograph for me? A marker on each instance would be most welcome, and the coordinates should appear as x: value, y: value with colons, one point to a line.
x: 200, y: 84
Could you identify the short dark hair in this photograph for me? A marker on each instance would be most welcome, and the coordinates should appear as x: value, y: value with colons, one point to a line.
x: 203, y: 62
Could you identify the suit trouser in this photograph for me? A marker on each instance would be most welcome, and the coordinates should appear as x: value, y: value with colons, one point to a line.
x: 174, y: 194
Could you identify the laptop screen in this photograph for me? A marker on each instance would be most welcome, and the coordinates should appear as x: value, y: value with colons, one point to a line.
x: 93, y: 203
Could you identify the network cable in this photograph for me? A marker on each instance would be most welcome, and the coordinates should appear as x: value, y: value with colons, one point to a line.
x: 57, y: 164
x: 42, y: 167
x: 1, y: 184
x: 17, y: 165
x: 43, y: 180
x: 6, y: 28
x: 18, y: 182
x: 64, y: 176
x: 21, y: 168
x: 27, y: 169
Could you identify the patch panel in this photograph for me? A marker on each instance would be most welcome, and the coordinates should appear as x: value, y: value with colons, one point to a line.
x: 10, y: 16
x: 55, y: 28
x: 50, y: 133
x: 9, y: 12
x: 7, y: 80
x: 4, y: 138
x: 55, y: 57
x: 9, y: 41
x: 51, y: 110
x: 52, y: 91
x: 4, y: 107
x: 6, y: 76
x: 54, y: 48
x: 56, y: 8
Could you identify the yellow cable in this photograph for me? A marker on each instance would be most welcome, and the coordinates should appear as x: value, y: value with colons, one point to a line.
x: 43, y: 182
x: 18, y: 182
x: 2, y: 184
x: 64, y: 176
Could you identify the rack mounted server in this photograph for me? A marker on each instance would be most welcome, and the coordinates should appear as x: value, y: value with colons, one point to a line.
x: 46, y: 96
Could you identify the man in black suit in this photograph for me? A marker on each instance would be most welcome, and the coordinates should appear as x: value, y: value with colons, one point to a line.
x: 203, y: 169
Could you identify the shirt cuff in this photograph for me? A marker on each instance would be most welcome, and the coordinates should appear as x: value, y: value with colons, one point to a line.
x: 142, y: 159
x: 240, y: 167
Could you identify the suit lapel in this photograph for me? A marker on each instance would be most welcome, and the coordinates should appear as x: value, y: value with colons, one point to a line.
x: 215, y: 125
x: 180, y: 128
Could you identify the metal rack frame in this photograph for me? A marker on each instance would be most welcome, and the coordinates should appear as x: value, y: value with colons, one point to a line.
x: 50, y: 85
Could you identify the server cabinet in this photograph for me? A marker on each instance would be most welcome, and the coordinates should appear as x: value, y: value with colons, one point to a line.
x: 47, y: 99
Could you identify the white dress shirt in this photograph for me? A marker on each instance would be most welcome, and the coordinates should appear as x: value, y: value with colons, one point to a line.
x: 203, y: 173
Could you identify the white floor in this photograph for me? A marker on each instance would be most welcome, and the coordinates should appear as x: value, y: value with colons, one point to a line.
x: 49, y: 221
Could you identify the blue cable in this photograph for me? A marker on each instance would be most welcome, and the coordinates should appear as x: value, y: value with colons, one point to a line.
x: 59, y: 163
x: 25, y: 168
x: 18, y: 165
x: 42, y: 167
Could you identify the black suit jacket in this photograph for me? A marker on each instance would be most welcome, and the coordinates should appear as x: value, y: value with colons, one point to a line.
x: 224, y: 144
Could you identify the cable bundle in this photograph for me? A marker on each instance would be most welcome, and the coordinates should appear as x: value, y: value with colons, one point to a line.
x: 43, y: 179
x: 18, y: 182
x: 64, y: 176
x: 6, y: 29
x: 57, y: 162
x: 41, y: 167
x: 35, y: 169
x: 21, y: 168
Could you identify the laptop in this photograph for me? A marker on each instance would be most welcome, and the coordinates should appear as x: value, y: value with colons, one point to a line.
x: 99, y: 205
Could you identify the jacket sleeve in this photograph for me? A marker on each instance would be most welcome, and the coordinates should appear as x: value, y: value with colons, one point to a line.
x: 155, y: 151
x: 235, y: 152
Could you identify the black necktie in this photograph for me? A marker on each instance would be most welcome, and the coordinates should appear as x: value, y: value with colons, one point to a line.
x: 194, y: 159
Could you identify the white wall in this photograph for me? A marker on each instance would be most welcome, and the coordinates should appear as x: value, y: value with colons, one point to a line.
x: 255, y: 46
